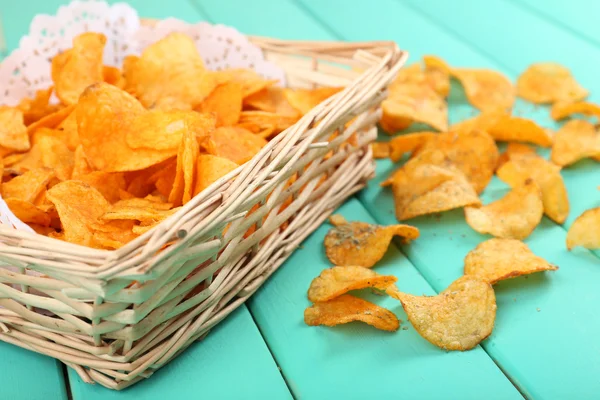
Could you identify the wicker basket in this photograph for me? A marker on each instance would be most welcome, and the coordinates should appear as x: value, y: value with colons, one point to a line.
x: 117, y: 316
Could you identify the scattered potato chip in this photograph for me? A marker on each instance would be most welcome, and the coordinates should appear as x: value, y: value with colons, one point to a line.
x: 514, y: 216
x: 514, y: 148
x: 496, y: 260
x: 236, y: 144
x: 380, y: 149
x: 362, y: 244
x: 408, y: 143
x: 508, y: 128
x: 547, y: 175
x: 562, y: 110
x: 414, y: 103
x: 304, y: 100
x: 431, y: 76
x: 225, y: 102
x: 13, y: 132
x: 585, y: 231
x: 549, y: 83
x: 27, y: 187
x: 78, y: 206
x: 574, y: 141
x: 458, y: 318
x: 337, y: 220
x: 80, y: 67
x: 347, y: 308
x: 209, y: 169
x: 334, y: 282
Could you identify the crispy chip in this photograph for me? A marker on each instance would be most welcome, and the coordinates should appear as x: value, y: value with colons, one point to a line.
x: 498, y: 259
x: 147, y: 215
x: 185, y: 174
x: 514, y: 216
x: 486, y: 89
x: 408, y: 143
x: 251, y: 82
x: 69, y: 126
x: 209, y: 169
x: 47, y: 152
x: 113, y: 76
x: 13, y: 133
x: 548, y: 83
x: 80, y: 164
x: 585, y: 230
x: 304, y: 100
x: 108, y: 183
x: 458, y: 318
x: 546, y: 175
x: 79, y: 67
x: 236, y: 144
x: 574, y: 141
x: 153, y: 202
x: 112, y: 235
x: 347, y: 308
x: 414, y: 103
x: 432, y: 76
x: 431, y: 189
x: 508, y: 128
x: 257, y: 121
x: 27, y: 212
x: 337, y: 220
x: 561, y: 110
x: 79, y: 206
x: 334, y: 282
x: 514, y: 148
x: 27, y: 187
x: 362, y: 244
x: 51, y: 120
x: 271, y: 99
x: 380, y: 149
x: 225, y: 102
x: 38, y: 107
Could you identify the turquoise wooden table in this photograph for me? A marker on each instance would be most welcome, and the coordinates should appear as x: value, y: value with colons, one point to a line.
x: 545, y: 345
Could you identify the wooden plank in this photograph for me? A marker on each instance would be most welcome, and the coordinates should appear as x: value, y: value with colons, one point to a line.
x: 576, y: 16
x: 356, y: 361
x: 232, y: 362
x: 525, y: 339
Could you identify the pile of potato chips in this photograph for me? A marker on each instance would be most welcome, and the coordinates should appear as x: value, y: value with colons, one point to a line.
x: 123, y: 149
x: 448, y: 168
x: 458, y: 318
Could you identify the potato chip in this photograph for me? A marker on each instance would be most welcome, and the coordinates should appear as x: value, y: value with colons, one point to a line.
x: 562, y: 110
x: 69, y: 127
x: 380, y: 149
x: 546, y: 175
x: 109, y: 184
x: 209, y: 169
x: 79, y: 206
x: 225, y: 102
x: 169, y: 68
x: 574, y: 141
x: 251, y: 82
x: 113, y: 76
x: 514, y: 216
x: 165, y: 178
x: 112, y: 235
x: 438, y: 189
x: 51, y: 120
x: 549, y: 82
x: 80, y: 164
x: 258, y: 121
x: 347, y: 308
x: 27, y: 187
x: 585, y: 231
x: 486, y: 89
x: 337, y: 220
x: 271, y: 99
x: 458, y: 318
x: 236, y: 144
x: 27, y: 212
x: 153, y: 202
x: 47, y: 152
x: 408, y: 143
x: 81, y: 67
x: 304, y: 100
x: 414, y: 103
x: 13, y: 132
x: 38, y: 107
x: 334, y: 282
x: 147, y: 215
x: 508, y: 128
x: 431, y: 76
x: 514, y: 148
x: 498, y: 259
x: 185, y: 174
x: 362, y: 244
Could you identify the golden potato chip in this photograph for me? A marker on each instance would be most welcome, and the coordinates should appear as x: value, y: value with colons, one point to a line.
x: 165, y: 178
x: 334, y: 282
x: 150, y: 201
x: 585, y: 230
x: 498, y: 259
x: 236, y: 144
x: 271, y: 99
x: 508, y: 128
x: 251, y: 82
x: 108, y: 183
x: 169, y: 68
x: 547, y: 175
x: 362, y: 244
x: 347, y: 308
x: 438, y: 189
x: 574, y: 141
x: 514, y: 148
x: 408, y: 143
x: 28, y: 212
x: 305, y: 100
x: 514, y: 216
x: 38, y: 107
x: 185, y: 174
x: 209, y: 169
x: 51, y: 120
x: 69, y: 127
x: 380, y: 149
x: 549, y: 82
x: 27, y: 187
x: 113, y: 76
x: 225, y: 102
x: 337, y: 220
x: 78, y: 206
x: 458, y: 318
x: 561, y: 110
x: 80, y: 164
x: 13, y: 132
x: 112, y: 235
x: 431, y: 76
x: 81, y: 67
x: 258, y: 121
x: 414, y: 103
x: 147, y: 215
x: 47, y: 152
